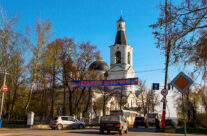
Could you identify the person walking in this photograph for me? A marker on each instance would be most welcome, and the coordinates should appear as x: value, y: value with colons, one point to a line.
x: 157, y: 124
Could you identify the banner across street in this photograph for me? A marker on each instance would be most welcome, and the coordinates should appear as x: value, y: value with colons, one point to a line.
x: 115, y: 82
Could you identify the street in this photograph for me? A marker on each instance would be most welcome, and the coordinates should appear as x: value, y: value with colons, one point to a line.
x: 83, y: 132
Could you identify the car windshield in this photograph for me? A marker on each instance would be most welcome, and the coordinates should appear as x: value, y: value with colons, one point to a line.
x: 168, y: 121
x: 113, y: 118
x: 152, y: 115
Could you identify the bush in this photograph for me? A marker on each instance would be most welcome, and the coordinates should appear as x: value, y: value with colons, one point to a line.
x: 14, y: 123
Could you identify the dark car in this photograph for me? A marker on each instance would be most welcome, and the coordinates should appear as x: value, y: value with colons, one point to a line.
x: 170, y: 122
x: 113, y: 123
x: 140, y: 121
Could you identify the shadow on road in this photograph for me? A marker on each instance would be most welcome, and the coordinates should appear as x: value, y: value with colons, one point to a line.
x: 96, y: 131
x: 93, y: 132
x: 142, y: 129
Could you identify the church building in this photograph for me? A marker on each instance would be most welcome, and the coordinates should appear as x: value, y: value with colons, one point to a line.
x: 121, y: 67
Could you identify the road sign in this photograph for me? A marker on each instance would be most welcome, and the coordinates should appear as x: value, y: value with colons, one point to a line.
x: 5, y: 88
x: 163, y: 99
x: 182, y: 82
x: 164, y: 92
x: 155, y: 86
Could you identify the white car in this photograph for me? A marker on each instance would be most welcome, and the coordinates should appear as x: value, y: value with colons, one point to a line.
x: 60, y: 122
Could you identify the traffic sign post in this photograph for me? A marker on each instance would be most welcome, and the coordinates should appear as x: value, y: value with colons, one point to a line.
x: 155, y: 86
x: 163, y: 99
x: 182, y: 82
x: 3, y: 88
x: 164, y: 92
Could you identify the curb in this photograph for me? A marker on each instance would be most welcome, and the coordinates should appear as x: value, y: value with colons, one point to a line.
x: 40, y: 126
x: 170, y: 131
x: 92, y: 126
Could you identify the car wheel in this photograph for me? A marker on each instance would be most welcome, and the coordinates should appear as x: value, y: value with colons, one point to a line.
x: 80, y: 126
x: 101, y: 131
x: 59, y: 127
x: 121, y: 132
x: 126, y: 131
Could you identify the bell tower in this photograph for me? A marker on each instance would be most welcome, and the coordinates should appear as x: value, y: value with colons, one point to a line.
x: 121, y: 63
x: 121, y: 54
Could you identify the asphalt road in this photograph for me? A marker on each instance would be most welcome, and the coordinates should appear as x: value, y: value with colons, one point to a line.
x: 83, y: 132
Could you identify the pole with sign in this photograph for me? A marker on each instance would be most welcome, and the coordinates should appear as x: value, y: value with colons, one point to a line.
x: 164, y: 92
x: 182, y: 82
x: 4, y: 88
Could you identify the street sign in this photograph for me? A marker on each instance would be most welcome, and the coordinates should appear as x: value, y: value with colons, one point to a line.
x: 5, y: 88
x: 163, y: 99
x: 182, y: 82
x: 155, y: 86
x: 164, y: 92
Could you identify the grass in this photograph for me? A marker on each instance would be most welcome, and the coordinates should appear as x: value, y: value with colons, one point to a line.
x: 197, y: 130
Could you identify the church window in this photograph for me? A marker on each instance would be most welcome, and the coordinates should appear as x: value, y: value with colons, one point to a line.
x: 131, y: 103
x: 118, y: 57
x: 129, y: 57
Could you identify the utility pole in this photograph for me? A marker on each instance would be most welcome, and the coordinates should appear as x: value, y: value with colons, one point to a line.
x: 168, y: 47
x: 2, y: 99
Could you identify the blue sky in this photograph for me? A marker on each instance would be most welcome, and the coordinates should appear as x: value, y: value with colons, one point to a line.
x: 95, y: 21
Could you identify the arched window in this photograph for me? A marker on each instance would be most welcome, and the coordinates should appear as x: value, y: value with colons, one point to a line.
x: 129, y: 57
x: 118, y: 57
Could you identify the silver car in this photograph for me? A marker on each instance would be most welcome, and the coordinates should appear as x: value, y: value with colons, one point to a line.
x: 60, y: 122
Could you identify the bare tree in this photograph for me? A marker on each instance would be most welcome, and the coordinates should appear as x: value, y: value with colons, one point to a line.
x: 186, y: 31
x: 149, y: 99
x: 43, y: 35
x: 11, y: 58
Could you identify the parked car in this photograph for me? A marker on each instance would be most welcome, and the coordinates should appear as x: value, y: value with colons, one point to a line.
x: 151, y: 118
x: 60, y: 122
x: 113, y: 123
x: 140, y: 121
x: 170, y: 122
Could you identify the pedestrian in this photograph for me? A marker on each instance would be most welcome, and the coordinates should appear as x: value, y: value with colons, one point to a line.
x: 157, y: 124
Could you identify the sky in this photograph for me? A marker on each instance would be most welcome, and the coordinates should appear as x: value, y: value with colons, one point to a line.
x: 95, y: 21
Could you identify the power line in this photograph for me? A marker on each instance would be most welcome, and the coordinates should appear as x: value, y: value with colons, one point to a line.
x: 155, y: 64
x: 147, y: 58
x: 150, y: 70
